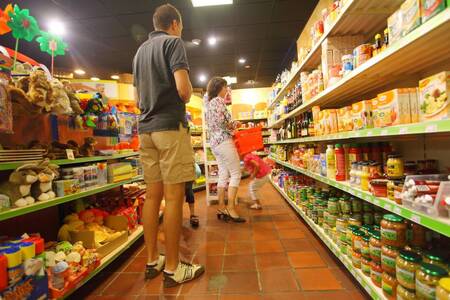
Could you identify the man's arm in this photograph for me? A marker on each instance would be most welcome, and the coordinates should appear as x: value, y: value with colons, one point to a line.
x: 183, y: 83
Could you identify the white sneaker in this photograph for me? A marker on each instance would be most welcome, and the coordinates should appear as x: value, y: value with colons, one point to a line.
x: 184, y: 272
x: 151, y: 271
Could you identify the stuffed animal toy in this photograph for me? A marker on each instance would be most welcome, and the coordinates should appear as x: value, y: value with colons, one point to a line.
x: 71, y: 223
x: 23, y: 83
x: 88, y: 149
x: 18, y: 187
x: 40, y: 90
x: 74, y: 101
x: 41, y: 190
x: 21, y: 103
x: 61, y: 102
x: 73, y: 145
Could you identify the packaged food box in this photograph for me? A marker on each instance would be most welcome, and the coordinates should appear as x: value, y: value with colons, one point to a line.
x: 344, y: 117
x: 316, y: 119
x: 329, y: 121
x: 414, y: 104
x: 362, y: 115
x: 430, y: 8
x: 67, y: 187
x: 395, y: 26
x: 392, y: 108
x: 433, y: 97
x: 410, y: 16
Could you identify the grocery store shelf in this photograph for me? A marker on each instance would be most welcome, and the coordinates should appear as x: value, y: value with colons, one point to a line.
x: 435, y: 223
x: 39, y: 205
x: 356, y: 17
x: 441, y: 126
x: 365, y: 281
x: 421, y: 49
x: 132, y: 238
x: 60, y: 162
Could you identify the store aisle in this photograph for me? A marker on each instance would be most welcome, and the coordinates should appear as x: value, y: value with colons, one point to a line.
x: 273, y: 256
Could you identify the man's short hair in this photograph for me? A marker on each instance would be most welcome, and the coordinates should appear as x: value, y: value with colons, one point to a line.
x: 164, y: 16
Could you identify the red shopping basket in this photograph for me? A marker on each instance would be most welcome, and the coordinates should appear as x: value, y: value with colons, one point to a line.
x: 248, y: 140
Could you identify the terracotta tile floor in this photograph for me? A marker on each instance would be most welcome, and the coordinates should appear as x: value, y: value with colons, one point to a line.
x: 272, y: 256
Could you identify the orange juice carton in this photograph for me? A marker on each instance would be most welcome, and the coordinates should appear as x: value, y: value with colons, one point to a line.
x: 344, y: 118
x: 362, y: 115
x: 433, y: 97
x: 410, y: 16
x: 414, y: 104
x: 392, y: 108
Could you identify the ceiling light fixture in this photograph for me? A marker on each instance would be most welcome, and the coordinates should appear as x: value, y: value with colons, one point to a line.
x: 202, y: 77
x: 200, y: 3
x: 212, y: 41
x: 242, y: 60
x: 196, y: 42
x: 115, y: 77
x: 95, y: 78
x: 230, y: 79
x: 247, y: 67
x: 79, y: 72
x: 57, y: 27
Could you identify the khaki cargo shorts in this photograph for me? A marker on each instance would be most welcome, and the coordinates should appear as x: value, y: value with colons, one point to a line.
x: 167, y: 156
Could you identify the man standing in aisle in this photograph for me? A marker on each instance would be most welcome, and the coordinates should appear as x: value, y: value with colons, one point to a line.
x: 161, y: 78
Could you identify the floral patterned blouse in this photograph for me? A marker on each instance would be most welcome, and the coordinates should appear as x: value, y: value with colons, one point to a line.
x: 218, y: 120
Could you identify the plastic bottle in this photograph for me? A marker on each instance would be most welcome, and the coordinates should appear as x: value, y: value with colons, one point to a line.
x: 354, y: 154
x: 340, y: 163
x: 347, y: 165
x: 331, y: 162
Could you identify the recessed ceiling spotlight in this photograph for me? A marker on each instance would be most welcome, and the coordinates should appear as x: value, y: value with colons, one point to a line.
x: 95, y: 78
x: 56, y: 27
x: 79, y: 72
x: 196, y: 42
x: 202, y: 77
x: 200, y: 3
x: 247, y: 67
x: 212, y: 41
x: 230, y: 79
x: 242, y: 60
x: 115, y: 77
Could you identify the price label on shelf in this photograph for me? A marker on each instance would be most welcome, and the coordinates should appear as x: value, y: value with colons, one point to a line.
x: 397, y: 210
x: 431, y: 128
x: 369, y: 133
x: 376, y: 202
x: 357, y: 134
x: 403, y: 130
x: 359, y: 195
x: 387, y: 206
x: 415, y: 218
x: 384, y: 132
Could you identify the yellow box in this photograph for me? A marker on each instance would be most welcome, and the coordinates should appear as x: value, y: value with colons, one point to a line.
x: 329, y: 121
x: 362, y: 115
x: 392, y: 108
x: 344, y: 119
x: 433, y: 97
x: 414, y: 104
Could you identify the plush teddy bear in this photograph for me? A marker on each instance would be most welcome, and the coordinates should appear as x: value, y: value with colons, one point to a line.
x: 88, y: 148
x: 18, y: 187
x: 41, y: 190
x: 74, y: 101
x: 60, y: 99
x: 21, y: 103
x: 40, y: 90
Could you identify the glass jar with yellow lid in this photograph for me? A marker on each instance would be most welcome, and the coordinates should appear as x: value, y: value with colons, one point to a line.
x: 393, y: 231
x: 443, y: 289
x: 394, y: 166
x: 405, y: 294
x: 427, y: 278
x: 434, y: 258
x: 407, y: 263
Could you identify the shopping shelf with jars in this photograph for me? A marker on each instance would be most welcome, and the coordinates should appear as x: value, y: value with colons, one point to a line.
x: 391, y: 257
x: 404, y: 53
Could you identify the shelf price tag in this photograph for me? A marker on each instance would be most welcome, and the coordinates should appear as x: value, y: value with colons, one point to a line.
x: 397, y: 210
x: 376, y: 202
x: 359, y: 195
x: 431, y: 128
x: 387, y: 206
x: 369, y: 133
x: 384, y: 132
x: 403, y: 130
x: 70, y: 155
x: 415, y: 218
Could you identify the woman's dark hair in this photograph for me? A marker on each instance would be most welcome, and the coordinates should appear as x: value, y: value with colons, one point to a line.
x: 215, y: 85
x: 164, y: 16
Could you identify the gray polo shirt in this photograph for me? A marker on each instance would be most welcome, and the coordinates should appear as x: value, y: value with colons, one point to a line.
x: 153, y: 66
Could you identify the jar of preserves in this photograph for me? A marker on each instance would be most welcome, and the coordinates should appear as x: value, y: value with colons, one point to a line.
x: 366, y: 229
x: 349, y: 233
x: 434, y: 258
x: 375, y: 246
x: 367, y: 207
x: 375, y: 273
x: 388, y: 257
x: 365, y: 176
x: 365, y: 265
x: 354, y: 173
x: 389, y: 285
x: 407, y: 263
x: 427, y: 278
x: 375, y: 170
x: 368, y: 218
x: 333, y: 206
x: 331, y: 220
x: 356, y: 205
x: 356, y: 259
x: 345, y: 205
x: 377, y: 217
x: 405, y: 294
x: 393, y: 231
x: 443, y: 289
x: 341, y: 224
x: 357, y: 239
x: 417, y: 235
x: 378, y: 187
x: 343, y: 247
x: 394, y: 166
x: 365, y: 250
x: 354, y: 221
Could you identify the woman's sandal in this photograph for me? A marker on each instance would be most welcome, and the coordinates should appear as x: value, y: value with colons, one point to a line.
x: 234, y: 219
x: 194, y: 221
x: 256, y: 206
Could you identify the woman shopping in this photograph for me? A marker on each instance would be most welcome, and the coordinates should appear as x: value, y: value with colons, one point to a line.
x: 221, y: 127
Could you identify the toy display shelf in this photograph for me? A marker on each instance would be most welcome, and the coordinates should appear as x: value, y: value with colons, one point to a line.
x: 442, y: 126
x: 110, y: 258
x: 413, y: 54
x: 39, y: 205
x: 365, y: 281
x: 435, y: 223
x: 60, y: 162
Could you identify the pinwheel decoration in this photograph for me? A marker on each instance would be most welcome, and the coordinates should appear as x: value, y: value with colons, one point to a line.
x: 4, y: 19
x: 23, y: 26
x: 52, y: 44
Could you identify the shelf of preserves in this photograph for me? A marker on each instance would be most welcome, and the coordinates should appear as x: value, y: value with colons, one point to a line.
x: 60, y: 162
x: 365, y: 281
x: 39, y: 205
x: 421, y: 49
x: 438, y: 224
x: 132, y: 238
x: 356, y: 17
x: 442, y: 126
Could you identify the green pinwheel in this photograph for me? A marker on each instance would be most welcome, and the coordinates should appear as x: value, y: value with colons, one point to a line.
x: 51, y: 43
x: 23, y: 26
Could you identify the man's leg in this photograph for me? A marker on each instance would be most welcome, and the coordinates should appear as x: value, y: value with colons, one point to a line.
x: 150, y: 213
x: 173, y: 215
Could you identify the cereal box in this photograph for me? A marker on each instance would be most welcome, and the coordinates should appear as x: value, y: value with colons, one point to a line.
x: 362, y: 115
x: 410, y: 15
x: 344, y: 118
x: 395, y: 26
x: 316, y: 119
x: 414, y: 104
x: 433, y: 97
x: 430, y: 8
x: 392, y: 108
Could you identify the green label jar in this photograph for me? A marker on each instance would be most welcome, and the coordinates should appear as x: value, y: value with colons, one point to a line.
x: 356, y: 205
x: 389, y: 234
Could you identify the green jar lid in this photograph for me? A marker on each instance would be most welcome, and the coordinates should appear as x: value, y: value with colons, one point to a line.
x: 338, y: 146
x: 410, y: 256
x: 366, y: 238
x: 358, y: 232
x: 393, y: 218
x: 333, y: 199
x: 376, y: 227
x: 352, y: 227
x: 433, y: 270
x: 434, y: 256
x: 375, y: 234
x: 367, y: 227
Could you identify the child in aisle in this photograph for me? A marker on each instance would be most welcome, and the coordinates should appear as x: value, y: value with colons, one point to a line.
x: 190, y: 199
x: 259, y: 173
